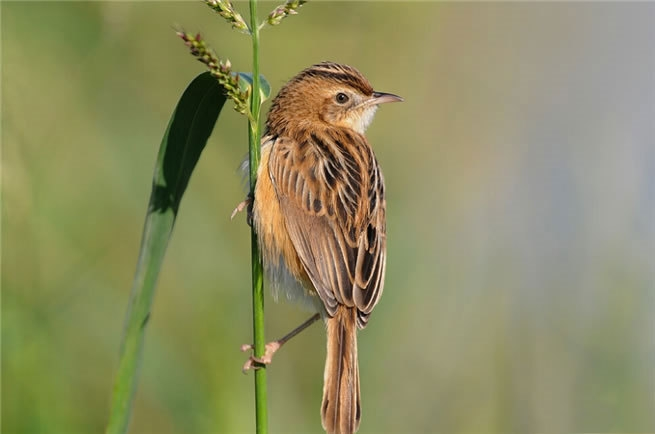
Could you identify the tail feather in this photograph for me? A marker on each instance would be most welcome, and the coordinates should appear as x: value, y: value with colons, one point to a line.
x: 341, y: 407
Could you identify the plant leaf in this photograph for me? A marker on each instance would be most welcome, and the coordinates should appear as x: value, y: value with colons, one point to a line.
x: 186, y: 136
x: 190, y: 126
x: 245, y: 83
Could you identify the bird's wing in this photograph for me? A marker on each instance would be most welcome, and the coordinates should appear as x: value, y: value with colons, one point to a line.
x: 331, y: 194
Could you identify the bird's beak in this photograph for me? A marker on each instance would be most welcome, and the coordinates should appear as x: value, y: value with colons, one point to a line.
x: 381, y: 98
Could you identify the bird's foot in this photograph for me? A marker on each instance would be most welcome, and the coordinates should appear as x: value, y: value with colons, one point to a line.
x: 272, y: 347
x: 258, y: 362
x: 246, y: 203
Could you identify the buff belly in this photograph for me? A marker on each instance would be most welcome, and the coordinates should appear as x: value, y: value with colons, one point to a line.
x: 282, y: 265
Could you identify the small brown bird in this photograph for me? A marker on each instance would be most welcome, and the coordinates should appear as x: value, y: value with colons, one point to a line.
x: 319, y: 213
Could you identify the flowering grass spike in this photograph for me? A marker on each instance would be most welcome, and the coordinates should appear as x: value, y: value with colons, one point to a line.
x: 281, y: 12
x: 221, y: 70
x: 225, y: 8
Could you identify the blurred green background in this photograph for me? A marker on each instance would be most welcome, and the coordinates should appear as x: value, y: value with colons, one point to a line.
x: 520, y: 290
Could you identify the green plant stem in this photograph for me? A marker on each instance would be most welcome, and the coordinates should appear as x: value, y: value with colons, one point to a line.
x: 254, y: 136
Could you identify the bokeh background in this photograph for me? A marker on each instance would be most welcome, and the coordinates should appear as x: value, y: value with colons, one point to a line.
x: 520, y: 291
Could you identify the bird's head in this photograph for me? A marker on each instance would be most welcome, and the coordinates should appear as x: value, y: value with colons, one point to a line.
x: 329, y: 93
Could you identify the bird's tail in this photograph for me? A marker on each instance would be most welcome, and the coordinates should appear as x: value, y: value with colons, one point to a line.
x: 341, y: 407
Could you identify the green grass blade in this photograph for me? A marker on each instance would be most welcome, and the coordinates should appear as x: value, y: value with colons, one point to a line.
x: 190, y: 126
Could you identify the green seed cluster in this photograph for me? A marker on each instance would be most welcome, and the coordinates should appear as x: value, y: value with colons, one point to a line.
x: 225, y: 8
x: 281, y: 12
x: 221, y: 70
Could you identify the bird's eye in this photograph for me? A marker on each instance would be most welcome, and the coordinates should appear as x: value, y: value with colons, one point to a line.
x: 341, y: 98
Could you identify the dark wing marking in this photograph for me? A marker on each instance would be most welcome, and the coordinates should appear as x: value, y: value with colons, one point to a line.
x: 331, y: 194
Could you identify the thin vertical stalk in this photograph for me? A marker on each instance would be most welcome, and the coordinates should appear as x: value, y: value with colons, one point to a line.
x: 254, y: 136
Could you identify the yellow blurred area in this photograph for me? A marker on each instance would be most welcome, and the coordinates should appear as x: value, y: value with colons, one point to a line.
x: 520, y: 171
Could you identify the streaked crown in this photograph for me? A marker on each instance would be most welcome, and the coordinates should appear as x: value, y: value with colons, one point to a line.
x: 337, y: 75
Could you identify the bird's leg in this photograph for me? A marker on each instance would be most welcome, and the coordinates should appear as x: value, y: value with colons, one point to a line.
x: 272, y: 347
x: 246, y: 203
